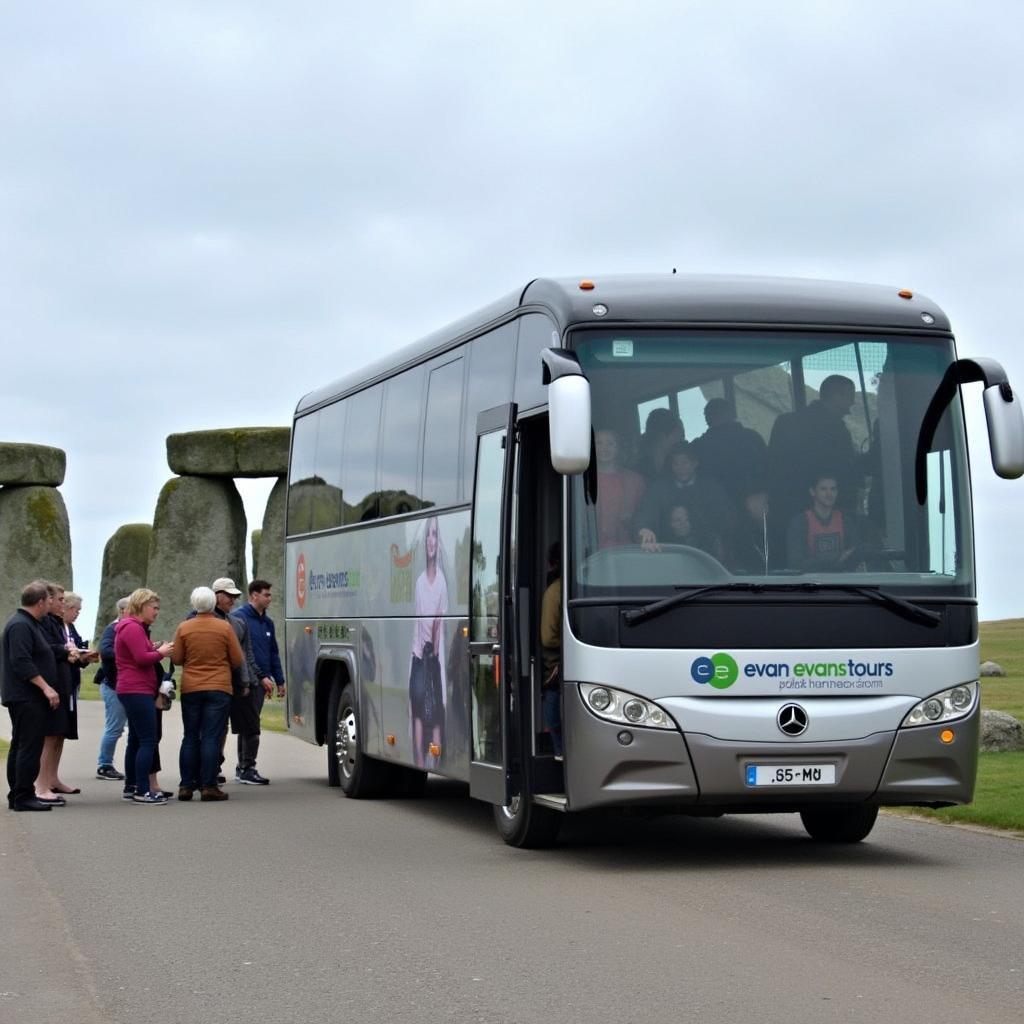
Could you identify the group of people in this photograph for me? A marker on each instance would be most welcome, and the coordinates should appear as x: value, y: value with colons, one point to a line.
x: 714, y: 493
x: 230, y: 663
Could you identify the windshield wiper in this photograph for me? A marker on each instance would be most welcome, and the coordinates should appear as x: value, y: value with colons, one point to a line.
x: 897, y: 604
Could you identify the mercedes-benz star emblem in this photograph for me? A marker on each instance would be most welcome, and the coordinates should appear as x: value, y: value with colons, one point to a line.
x: 791, y: 719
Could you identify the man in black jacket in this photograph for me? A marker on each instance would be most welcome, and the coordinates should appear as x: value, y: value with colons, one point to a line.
x: 26, y: 690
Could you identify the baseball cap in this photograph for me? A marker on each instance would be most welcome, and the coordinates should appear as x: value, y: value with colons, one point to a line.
x: 225, y: 585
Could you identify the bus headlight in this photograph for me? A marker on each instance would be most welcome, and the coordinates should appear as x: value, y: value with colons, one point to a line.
x: 956, y: 702
x: 624, y: 708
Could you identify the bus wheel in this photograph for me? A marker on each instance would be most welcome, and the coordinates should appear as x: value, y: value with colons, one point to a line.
x: 522, y: 823
x: 845, y: 823
x: 347, y: 766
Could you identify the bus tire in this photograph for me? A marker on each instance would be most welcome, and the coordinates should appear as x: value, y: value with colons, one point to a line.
x: 358, y: 775
x: 523, y: 824
x: 845, y: 823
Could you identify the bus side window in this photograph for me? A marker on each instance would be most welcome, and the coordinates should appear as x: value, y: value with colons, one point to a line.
x: 399, y: 443
x: 441, y: 435
x: 359, y: 464
x: 491, y: 365
x: 301, y: 475
x: 536, y: 332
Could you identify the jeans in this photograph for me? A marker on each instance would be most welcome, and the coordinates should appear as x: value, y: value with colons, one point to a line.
x: 204, y: 714
x: 114, y: 720
x: 249, y: 742
x: 28, y: 729
x: 551, y: 709
x: 140, y: 709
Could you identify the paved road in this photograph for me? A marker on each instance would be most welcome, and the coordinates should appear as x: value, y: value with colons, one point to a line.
x: 293, y: 904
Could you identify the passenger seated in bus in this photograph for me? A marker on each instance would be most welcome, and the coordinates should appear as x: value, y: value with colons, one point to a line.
x: 823, y: 536
x: 749, y: 547
x: 662, y: 432
x: 733, y: 454
x: 551, y: 649
x: 682, y: 531
x: 704, y: 498
x: 619, y: 491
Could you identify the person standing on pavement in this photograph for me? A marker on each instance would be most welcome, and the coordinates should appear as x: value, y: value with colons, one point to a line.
x: 208, y: 650
x: 113, y: 710
x: 137, y: 687
x: 28, y: 670
x: 244, y: 718
x: 269, y: 671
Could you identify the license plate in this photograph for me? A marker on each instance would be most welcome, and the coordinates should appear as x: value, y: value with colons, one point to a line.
x: 791, y: 775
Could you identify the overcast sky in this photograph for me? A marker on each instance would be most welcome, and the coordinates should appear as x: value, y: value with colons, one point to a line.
x: 209, y: 209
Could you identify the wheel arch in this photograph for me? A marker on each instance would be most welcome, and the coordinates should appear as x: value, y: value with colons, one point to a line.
x: 332, y: 666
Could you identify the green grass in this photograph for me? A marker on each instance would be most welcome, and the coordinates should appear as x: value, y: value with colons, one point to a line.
x: 4, y: 747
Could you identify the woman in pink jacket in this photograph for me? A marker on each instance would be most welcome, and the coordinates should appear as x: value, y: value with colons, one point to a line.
x: 137, y: 687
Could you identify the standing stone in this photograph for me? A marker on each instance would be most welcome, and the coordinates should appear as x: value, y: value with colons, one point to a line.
x: 125, y: 563
x: 1000, y: 731
x: 991, y: 668
x: 35, y: 541
x: 272, y: 539
x: 199, y: 533
x: 244, y: 451
x: 254, y: 540
x: 26, y: 464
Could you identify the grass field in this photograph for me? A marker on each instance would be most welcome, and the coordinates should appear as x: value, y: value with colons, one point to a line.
x: 999, y: 796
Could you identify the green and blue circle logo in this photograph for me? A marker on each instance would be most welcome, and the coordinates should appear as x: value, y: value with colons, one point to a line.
x: 719, y: 671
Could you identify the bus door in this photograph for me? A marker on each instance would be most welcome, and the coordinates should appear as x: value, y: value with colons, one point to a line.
x: 490, y: 608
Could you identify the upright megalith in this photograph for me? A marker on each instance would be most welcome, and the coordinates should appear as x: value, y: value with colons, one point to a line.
x: 125, y: 565
x: 272, y: 538
x: 31, y: 464
x: 199, y: 533
x: 254, y: 542
x: 241, y: 452
x: 35, y: 540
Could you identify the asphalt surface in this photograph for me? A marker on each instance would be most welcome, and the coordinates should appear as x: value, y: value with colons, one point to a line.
x: 292, y: 904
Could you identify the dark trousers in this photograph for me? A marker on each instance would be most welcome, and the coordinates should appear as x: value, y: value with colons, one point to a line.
x: 245, y: 720
x: 28, y: 730
x: 204, y: 714
x: 142, y: 740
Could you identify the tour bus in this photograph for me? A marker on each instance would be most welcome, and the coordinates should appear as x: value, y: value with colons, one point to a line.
x: 688, y: 544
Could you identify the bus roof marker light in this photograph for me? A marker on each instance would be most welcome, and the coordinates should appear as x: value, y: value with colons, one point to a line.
x: 586, y: 286
x: 928, y: 318
x: 600, y: 309
x: 905, y: 293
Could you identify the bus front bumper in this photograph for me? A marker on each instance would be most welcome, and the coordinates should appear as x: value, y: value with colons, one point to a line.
x: 609, y: 764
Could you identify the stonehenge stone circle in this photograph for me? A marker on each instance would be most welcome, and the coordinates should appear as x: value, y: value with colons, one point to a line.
x: 1000, y: 731
x: 199, y: 533
x: 35, y: 540
x: 241, y: 452
x: 31, y: 464
x: 125, y: 564
x: 271, y: 560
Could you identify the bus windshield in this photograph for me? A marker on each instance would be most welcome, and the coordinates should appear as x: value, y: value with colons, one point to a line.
x: 725, y: 456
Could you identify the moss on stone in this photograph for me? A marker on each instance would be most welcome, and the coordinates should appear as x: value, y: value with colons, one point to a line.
x: 125, y: 561
x: 35, y: 540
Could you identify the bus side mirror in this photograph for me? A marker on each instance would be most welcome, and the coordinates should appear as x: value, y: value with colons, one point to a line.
x: 568, y: 411
x: 1002, y: 413
x: 1005, y: 430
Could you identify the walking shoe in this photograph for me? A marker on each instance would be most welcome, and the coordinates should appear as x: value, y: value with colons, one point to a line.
x: 109, y: 772
x: 167, y: 794
x: 149, y: 798
x: 251, y: 777
x: 221, y: 780
x: 184, y: 793
x: 128, y: 793
x: 208, y: 793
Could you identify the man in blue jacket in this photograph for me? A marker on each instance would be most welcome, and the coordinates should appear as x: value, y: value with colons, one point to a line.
x: 270, y: 674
